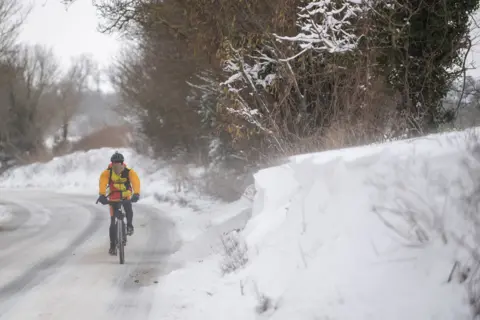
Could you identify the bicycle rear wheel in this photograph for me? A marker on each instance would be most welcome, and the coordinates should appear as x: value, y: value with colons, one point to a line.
x: 120, y: 236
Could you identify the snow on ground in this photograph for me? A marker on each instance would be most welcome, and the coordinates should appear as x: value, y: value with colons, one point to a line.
x: 360, y: 233
x: 379, y: 232
x: 79, y: 172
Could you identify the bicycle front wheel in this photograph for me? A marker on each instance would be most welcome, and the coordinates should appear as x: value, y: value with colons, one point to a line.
x: 120, y: 236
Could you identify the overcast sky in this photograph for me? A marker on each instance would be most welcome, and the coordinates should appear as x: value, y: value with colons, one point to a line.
x: 69, y: 32
x: 74, y: 31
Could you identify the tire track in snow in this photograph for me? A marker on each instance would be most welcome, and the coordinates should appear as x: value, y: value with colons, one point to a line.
x: 53, y: 286
x: 40, y: 272
x: 136, y: 289
x: 20, y: 237
x: 19, y: 217
x: 31, y: 225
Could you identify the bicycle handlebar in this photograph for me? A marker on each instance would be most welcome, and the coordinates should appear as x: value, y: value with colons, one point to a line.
x: 117, y: 201
x: 121, y: 201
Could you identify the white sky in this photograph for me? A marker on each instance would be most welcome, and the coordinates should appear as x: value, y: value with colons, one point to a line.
x: 69, y: 32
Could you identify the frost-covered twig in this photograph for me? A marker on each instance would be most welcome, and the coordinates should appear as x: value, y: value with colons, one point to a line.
x: 235, y: 254
x: 326, y: 26
x: 250, y: 77
x: 253, y: 75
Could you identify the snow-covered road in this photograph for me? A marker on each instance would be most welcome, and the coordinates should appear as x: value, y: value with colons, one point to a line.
x: 54, y: 262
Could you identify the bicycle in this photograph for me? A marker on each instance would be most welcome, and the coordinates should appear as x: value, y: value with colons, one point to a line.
x: 121, y: 227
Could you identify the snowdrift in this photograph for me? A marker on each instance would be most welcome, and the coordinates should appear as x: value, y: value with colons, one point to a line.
x: 381, y: 232
x: 78, y: 173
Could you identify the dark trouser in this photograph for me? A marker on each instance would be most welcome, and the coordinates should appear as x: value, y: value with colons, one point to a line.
x: 129, y: 214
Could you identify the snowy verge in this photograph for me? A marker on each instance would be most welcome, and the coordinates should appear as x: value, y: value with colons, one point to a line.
x: 380, y: 232
x: 192, y: 224
x: 79, y: 172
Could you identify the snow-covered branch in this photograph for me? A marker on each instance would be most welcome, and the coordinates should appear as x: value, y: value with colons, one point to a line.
x: 326, y: 25
x: 249, y: 73
x: 254, y: 75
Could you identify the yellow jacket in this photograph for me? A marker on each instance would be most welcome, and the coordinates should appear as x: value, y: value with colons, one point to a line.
x: 127, y: 183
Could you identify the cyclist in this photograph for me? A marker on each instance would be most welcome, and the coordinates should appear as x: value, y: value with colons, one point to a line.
x: 120, y: 179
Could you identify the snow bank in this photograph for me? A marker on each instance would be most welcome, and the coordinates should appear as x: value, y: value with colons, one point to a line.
x: 361, y: 233
x: 79, y: 172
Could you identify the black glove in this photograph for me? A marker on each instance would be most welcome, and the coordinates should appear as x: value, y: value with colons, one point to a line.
x: 102, y: 199
x: 135, y: 197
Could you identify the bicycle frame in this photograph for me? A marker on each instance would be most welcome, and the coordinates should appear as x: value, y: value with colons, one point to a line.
x: 121, y: 226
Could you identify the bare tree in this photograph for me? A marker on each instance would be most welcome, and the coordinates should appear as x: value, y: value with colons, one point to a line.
x: 151, y: 78
x: 27, y: 74
x: 70, y: 90
x: 11, y: 19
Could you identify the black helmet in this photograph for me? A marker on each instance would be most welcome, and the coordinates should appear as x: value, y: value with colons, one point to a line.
x: 117, y: 157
